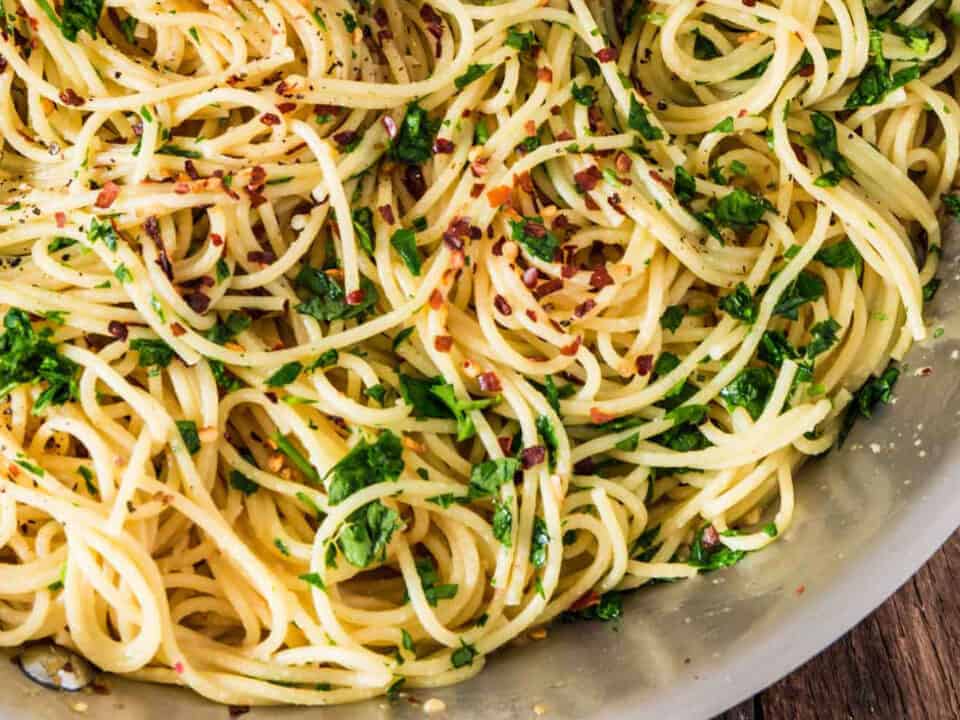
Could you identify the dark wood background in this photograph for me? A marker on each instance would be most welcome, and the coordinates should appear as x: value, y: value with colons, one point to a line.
x: 901, y: 663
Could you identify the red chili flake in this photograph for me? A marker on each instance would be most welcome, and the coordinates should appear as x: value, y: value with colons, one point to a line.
x: 413, y: 181
x: 644, y: 364
x: 390, y: 125
x: 181, y: 188
x: 498, y: 196
x: 532, y: 315
x: 524, y: 182
x: 61, y: 219
x: 497, y: 248
x: 178, y: 667
x: 345, y: 138
x: 287, y: 107
x: 571, y: 349
x: 261, y: 257
x: 661, y: 179
x: 163, y: 260
x: 568, y: 271
x: 555, y: 110
x: 429, y: 15
x: 799, y: 152
x: 801, y: 589
x: 502, y: 306
x: 258, y: 176
x: 270, y: 119
x: 598, y: 416
x: 478, y: 168
x: 283, y: 88
x: 548, y: 288
x: 107, y: 195
x: 750, y: 3
x: 489, y: 382
x: 590, y: 203
x: 152, y: 226
x: 544, y: 74
x: 380, y: 17
x: 607, y: 54
x: 532, y: 456
x: 3, y: 63
x: 588, y: 178
x: 198, y: 302
x: 584, y: 601
x: 443, y: 343
x: 584, y: 467
x: 118, y: 329
x: 477, y: 190
x: 356, y: 297
x: 69, y: 97
x: 584, y: 307
x: 386, y: 212
x: 710, y: 536
x: 505, y: 444
x: 442, y: 146
x: 623, y: 162
x: 742, y: 113
x: 216, y: 240
x: 530, y: 277
x: 436, y: 300
x: 564, y: 135
x: 199, y: 281
x: 600, y: 278
x: 238, y: 710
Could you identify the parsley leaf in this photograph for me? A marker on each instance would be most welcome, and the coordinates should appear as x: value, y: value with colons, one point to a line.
x: 534, y: 236
x: 285, y: 375
x: 367, y: 532
x: 362, y: 218
x: 80, y: 15
x: 474, y: 72
x: 413, y: 144
x: 366, y: 464
x: 874, y: 391
x: 328, y: 300
x: 750, y: 389
x: 672, y: 317
x: 539, y: 542
x: 740, y: 304
x: 502, y: 523
x: 522, y: 41
x: 684, y: 185
x: 428, y: 581
x: 638, y: 120
x: 28, y: 356
x: 189, y: 435
x: 712, y: 557
x: 404, y: 241
x: 487, y: 477
x: 805, y: 288
x: 153, y: 353
x: 239, y: 481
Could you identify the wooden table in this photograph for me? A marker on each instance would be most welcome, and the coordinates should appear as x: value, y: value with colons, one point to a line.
x: 899, y: 663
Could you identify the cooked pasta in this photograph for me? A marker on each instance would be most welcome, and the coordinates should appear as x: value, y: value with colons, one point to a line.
x: 345, y: 342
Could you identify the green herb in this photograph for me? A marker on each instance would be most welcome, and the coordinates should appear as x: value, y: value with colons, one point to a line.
x: 757, y: 70
x: 87, y: 476
x: 414, y: 141
x: 534, y: 236
x: 194, y: 34
x: 461, y: 409
x: 428, y: 581
x: 365, y: 536
x: 843, y: 254
x: 823, y: 335
x: 713, y: 557
x: 684, y: 185
x: 404, y: 241
x: 672, y: 317
x: 824, y: 141
x: 393, y: 692
x: 876, y: 81
x: 738, y: 168
x: 628, y: 444
x: 550, y: 441
x: 740, y: 304
x: 585, y: 95
x: 314, y: 579
x: 522, y: 41
x: 463, y: 655
x: 805, y: 288
x: 481, y: 133
x: 310, y: 503
x: 366, y: 464
x: 239, y: 481
x: 487, y: 477
x: 770, y: 529
x: 225, y: 331
x: 282, y: 547
x: 873, y: 392
x: 104, y: 232
x: 609, y: 607
x: 349, y: 22
x: 296, y: 457
x: 363, y: 227
x: 80, y: 15
x: 378, y: 392
x: 30, y: 467
x: 189, y: 435
x: 153, y: 353
x: 703, y: 47
x: 950, y: 202
x: 474, y: 72
x: 60, y: 242
x: 447, y: 499
x: 177, y: 151
x: 638, y: 120
x: 223, y: 377
x: 539, y: 541
x: 930, y: 289
x: 326, y: 359
x: 401, y: 336
x: 724, y: 126
x: 740, y: 209
x: 327, y: 299
x: 318, y: 19
x: 750, y: 389
x: 285, y: 375
x: 223, y: 270
x: 502, y: 523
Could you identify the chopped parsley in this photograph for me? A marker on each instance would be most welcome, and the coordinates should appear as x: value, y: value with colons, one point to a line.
x: 638, y: 120
x: 487, y: 477
x: 873, y: 392
x: 328, y: 300
x: 534, y: 236
x: 474, y: 72
x: 740, y: 304
x: 413, y: 144
x: 366, y: 464
x: 189, y: 435
x: 750, y: 389
x: 404, y: 241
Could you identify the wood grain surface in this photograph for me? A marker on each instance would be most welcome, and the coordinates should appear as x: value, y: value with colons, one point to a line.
x: 902, y: 662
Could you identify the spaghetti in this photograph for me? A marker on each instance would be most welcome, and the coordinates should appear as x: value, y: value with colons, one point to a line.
x: 345, y: 342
